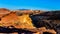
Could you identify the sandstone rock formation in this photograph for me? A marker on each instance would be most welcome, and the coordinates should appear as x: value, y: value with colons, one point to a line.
x: 3, y: 12
x: 31, y: 20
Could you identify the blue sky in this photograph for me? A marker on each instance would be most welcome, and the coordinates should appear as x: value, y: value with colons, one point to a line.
x: 30, y: 4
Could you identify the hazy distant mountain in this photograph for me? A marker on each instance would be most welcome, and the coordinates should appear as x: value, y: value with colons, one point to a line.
x: 22, y: 9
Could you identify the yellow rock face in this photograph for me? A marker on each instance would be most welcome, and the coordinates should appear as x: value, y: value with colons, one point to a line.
x: 24, y: 22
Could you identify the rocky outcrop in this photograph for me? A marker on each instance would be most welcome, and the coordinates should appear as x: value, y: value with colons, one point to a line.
x: 3, y: 12
x: 30, y: 21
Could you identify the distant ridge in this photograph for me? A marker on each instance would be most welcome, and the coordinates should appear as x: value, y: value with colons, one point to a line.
x: 23, y: 9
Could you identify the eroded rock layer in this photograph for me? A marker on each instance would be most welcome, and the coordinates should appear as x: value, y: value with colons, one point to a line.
x: 36, y: 21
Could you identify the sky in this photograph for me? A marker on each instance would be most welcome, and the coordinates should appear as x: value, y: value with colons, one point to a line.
x: 30, y: 4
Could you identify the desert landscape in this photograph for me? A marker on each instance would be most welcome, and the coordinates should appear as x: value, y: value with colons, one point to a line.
x: 29, y: 21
